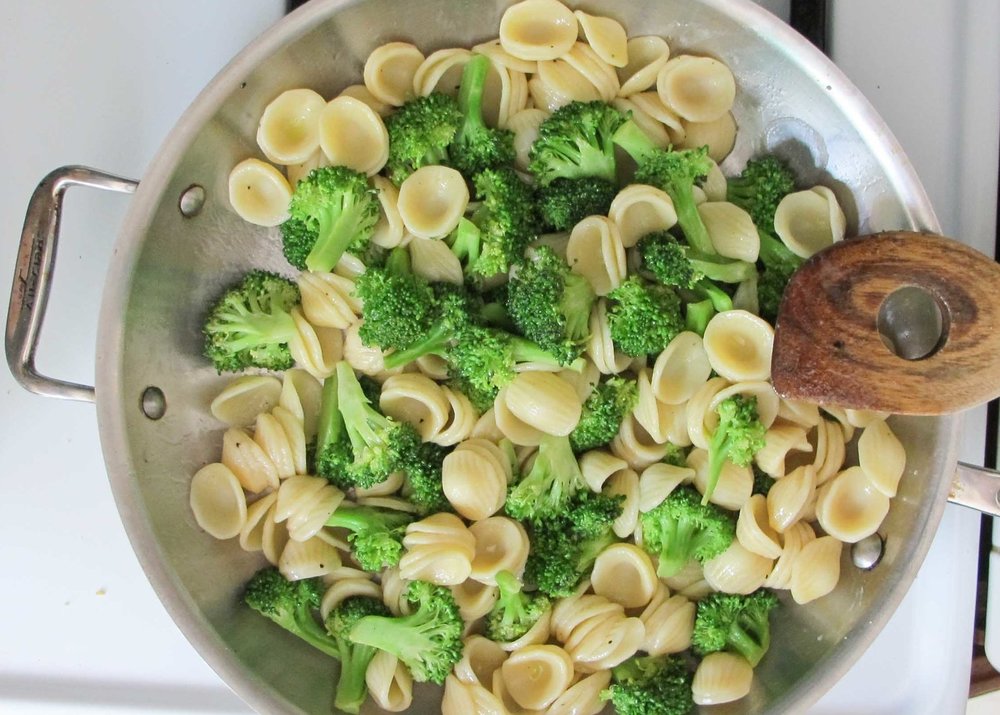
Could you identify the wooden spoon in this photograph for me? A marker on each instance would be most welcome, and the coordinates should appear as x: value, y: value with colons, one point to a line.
x: 847, y: 335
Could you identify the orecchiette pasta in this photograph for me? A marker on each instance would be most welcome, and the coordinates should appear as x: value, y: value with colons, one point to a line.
x: 624, y: 573
x: 474, y: 478
x: 753, y: 529
x: 433, y: 261
x: 306, y: 503
x: 597, y: 466
x: 739, y: 345
x: 538, y: 30
x: 792, y: 542
x: 347, y: 583
x: 441, y: 72
x: 583, y: 697
x: 789, y: 497
x: 658, y: 480
x: 480, y: 659
x: 850, y: 506
x: 511, y: 426
x: 646, y: 57
x: 606, y: 36
x: 308, y: 559
x: 288, y: 132
x: 301, y: 394
x: 537, y: 674
x: 352, y: 134
x: 244, y: 398
x: 639, y: 209
x: 737, y: 570
x: 545, y: 401
x: 600, y: 348
x: 731, y: 229
x: 680, y: 369
x: 474, y: 599
x: 596, y: 252
x: 389, y: 72
x: 721, y: 678
x: 439, y: 549
x: 816, y: 571
x: 881, y: 456
x: 218, y: 503
x: 654, y: 129
x: 245, y: 458
x: 669, y: 622
x: 252, y: 532
x: 636, y: 446
x: 389, y: 229
x: 462, y: 697
x: 779, y: 440
x: 431, y: 201
x: 501, y: 545
x: 809, y: 221
x: 625, y: 483
x: 733, y: 487
x: 719, y: 135
x: 361, y: 93
x: 259, y: 193
x: 390, y: 684
x: 596, y: 632
x: 315, y: 349
x: 699, y: 89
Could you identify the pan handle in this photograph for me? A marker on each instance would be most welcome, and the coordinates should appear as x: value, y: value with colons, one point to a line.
x: 977, y: 488
x: 36, y: 259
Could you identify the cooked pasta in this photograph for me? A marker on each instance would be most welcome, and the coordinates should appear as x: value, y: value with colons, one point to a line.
x: 217, y: 501
x: 252, y: 532
x: 652, y: 106
x: 538, y: 30
x: 315, y: 349
x: 258, y: 193
x: 809, y: 221
x: 779, y: 440
x: 881, y: 456
x: 600, y: 348
x: 306, y: 503
x: 596, y: 252
x: 625, y: 483
x: 474, y: 599
x: 658, y: 480
x: 831, y: 450
x: 347, y: 583
x: 680, y: 369
x: 481, y: 657
x: 463, y: 697
x: 635, y: 446
x: 525, y: 125
x: 439, y: 549
x: 352, y: 134
x: 583, y: 697
x: 721, y: 678
x: 389, y: 72
x: 595, y: 632
x: 699, y: 89
x: 640, y: 209
x: 441, y: 72
x: 789, y: 497
x: 389, y: 229
x: 624, y: 573
x: 537, y: 674
x: 308, y: 559
x: 288, y: 131
x: 719, y: 135
x: 731, y: 229
x: 739, y: 345
x: 433, y: 261
x: 733, y: 487
x: 850, y: 506
x: 646, y: 57
x: 432, y: 200
x: 390, y: 684
x: 654, y: 129
x: 737, y: 570
x: 792, y: 542
x: 272, y: 438
x: 597, y: 466
x: 816, y: 571
x: 501, y: 545
x: 416, y: 399
x: 362, y: 358
x: 239, y: 403
x: 544, y: 401
x: 361, y: 93
x: 248, y: 461
x: 668, y: 621
x: 594, y: 69
x: 513, y: 427
x: 754, y: 530
x: 606, y: 36
x: 301, y: 396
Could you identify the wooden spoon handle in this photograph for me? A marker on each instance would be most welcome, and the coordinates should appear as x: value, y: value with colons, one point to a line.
x: 828, y: 348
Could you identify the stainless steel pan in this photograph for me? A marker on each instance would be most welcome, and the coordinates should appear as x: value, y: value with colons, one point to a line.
x: 180, y: 241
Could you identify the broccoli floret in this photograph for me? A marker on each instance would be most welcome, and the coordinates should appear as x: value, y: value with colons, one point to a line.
x: 428, y: 641
x: 453, y: 309
x: 575, y: 142
x: 779, y: 264
x: 290, y: 604
x: 333, y: 209
x: 550, y: 484
x: 354, y: 658
x: 500, y: 228
x: 376, y: 534
x: 251, y: 324
x: 760, y: 188
x: 675, y: 455
x: 736, y: 623
x: 762, y: 482
x: 739, y: 436
x: 515, y: 613
x: 565, y: 202
x: 643, y: 317
x: 676, y: 173
x: 564, y: 546
x: 423, y: 479
x: 419, y: 134
x: 550, y: 304
x: 476, y: 145
x: 681, y: 528
x: 603, y: 412
x: 357, y: 445
x: 675, y: 264
x: 651, y: 685
x: 398, y: 306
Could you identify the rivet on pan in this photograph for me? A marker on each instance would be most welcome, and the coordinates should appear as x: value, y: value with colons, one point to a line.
x: 867, y: 553
x: 192, y: 200
x: 153, y: 403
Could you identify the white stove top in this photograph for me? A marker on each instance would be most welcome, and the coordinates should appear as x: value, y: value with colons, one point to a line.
x: 81, y: 630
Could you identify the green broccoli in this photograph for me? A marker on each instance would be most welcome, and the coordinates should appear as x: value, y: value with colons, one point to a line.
x: 575, y: 142
x: 738, y: 437
x: 357, y: 445
x: 697, y: 314
x: 760, y: 188
x: 477, y: 146
x: 676, y: 173
x: 565, y: 202
x: 398, y: 306
x: 332, y: 210
x: 420, y: 133
x: 515, y: 613
x: 762, y: 482
x: 423, y: 479
x: 681, y: 528
x: 251, y: 324
x: 736, y: 623
x: 550, y: 484
x: 643, y: 317
x: 428, y: 641
x: 451, y: 310
x: 603, y: 412
x: 550, y: 304
x: 376, y: 535
x: 675, y: 264
x: 651, y: 685
x: 675, y: 455
x: 291, y: 604
x: 779, y: 264
x: 564, y: 546
x: 500, y: 228
x: 354, y: 658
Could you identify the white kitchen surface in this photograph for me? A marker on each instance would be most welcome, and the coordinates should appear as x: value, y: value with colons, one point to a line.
x: 102, y: 82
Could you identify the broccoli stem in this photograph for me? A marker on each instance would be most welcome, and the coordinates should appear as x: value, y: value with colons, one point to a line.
x: 258, y: 328
x: 678, y: 545
x: 360, y: 419
x: 330, y: 425
x: 434, y: 343
x: 752, y: 645
x: 689, y: 219
x: 470, y: 94
x: 636, y: 143
x: 352, y: 690
x: 775, y: 253
x: 698, y: 314
x: 720, y: 269
x: 720, y: 299
x: 333, y: 237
